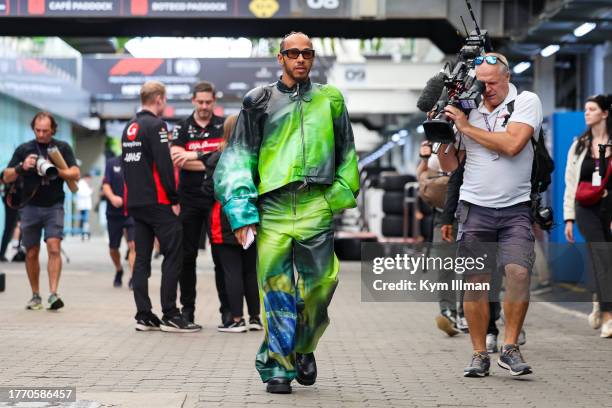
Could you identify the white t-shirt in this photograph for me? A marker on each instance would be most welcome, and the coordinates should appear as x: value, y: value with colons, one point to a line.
x: 494, y: 180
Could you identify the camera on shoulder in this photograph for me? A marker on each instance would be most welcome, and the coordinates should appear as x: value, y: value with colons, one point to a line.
x: 455, y: 85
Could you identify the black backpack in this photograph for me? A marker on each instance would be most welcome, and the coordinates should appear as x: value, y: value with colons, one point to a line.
x: 543, y: 164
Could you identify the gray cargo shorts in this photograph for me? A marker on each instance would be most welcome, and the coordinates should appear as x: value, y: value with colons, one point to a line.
x: 35, y: 219
x: 505, y: 235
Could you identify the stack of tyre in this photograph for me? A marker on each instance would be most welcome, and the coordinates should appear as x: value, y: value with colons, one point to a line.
x: 393, y: 203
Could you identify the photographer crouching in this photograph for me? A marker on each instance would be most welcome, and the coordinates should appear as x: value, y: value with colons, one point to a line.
x: 42, y: 202
x: 495, y: 202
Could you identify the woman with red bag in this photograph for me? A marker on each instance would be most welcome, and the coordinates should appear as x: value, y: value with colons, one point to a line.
x: 588, y: 202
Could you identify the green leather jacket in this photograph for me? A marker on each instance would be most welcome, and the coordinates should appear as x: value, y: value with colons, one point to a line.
x: 284, y: 135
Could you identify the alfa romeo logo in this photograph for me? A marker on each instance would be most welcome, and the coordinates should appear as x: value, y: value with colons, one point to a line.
x: 263, y: 8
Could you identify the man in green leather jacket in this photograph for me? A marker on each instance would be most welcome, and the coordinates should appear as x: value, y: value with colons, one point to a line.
x: 289, y: 166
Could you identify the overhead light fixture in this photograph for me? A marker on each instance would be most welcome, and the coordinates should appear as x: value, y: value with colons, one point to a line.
x: 584, y: 29
x: 550, y: 50
x: 521, y: 67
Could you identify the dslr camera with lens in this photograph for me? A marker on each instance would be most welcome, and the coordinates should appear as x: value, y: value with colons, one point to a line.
x: 45, y: 168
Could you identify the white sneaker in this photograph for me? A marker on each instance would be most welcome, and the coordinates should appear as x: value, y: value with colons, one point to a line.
x: 462, y: 324
x: 491, y: 343
x: 595, y: 317
x: 606, y: 330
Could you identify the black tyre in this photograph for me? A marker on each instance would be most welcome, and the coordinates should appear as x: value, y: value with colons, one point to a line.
x: 393, y: 226
x: 395, y: 182
x: 393, y: 203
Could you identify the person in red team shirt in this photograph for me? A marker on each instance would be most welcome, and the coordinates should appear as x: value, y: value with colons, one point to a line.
x: 193, y: 139
x: 151, y: 198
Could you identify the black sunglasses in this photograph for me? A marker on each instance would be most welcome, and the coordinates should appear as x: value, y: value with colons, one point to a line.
x: 294, y: 53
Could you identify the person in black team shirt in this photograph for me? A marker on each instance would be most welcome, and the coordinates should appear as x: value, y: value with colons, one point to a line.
x: 150, y: 196
x: 193, y: 139
x: 45, y: 208
x: 117, y: 220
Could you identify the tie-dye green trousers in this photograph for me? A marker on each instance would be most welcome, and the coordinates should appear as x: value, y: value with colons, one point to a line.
x: 294, y: 237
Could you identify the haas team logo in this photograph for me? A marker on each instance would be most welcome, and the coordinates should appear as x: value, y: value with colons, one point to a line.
x: 132, y: 132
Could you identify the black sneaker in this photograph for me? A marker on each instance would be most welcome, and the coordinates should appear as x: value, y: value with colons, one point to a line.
x: 55, y: 302
x: 479, y: 366
x: 178, y: 324
x: 189, y: 317
x: 255, y: 324
x: 118, y: 279
x: 233, y: 327
x: 226, y: 319
x: 150, y: 323
x: 511, y: 359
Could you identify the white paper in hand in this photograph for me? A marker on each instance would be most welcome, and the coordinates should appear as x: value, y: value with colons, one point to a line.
x: 250, y: 238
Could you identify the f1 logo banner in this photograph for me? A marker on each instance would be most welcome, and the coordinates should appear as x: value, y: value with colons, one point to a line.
x: 120, y: 78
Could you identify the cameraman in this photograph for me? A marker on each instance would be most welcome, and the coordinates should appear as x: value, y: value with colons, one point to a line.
x: 495, y: 203
x: 45, y: 208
